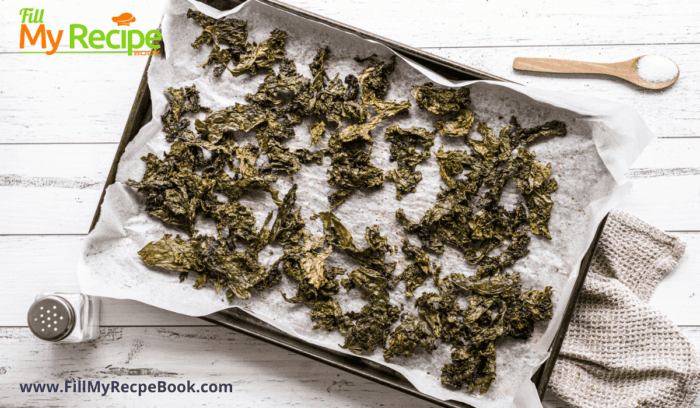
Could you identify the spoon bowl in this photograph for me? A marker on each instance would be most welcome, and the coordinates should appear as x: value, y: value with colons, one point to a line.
x: 626, y: 70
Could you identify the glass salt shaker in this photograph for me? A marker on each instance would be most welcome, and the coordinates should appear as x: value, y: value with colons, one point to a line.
x: 65, y: 317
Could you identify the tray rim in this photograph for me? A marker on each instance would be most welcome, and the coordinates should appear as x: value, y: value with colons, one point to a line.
x: 139, y: 116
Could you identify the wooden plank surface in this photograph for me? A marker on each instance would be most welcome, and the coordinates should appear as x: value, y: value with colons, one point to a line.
x: 99, y: 117
x: 502, y: 23
x: 36, y: 264
x: 60, y: 119
x: 259, y: 374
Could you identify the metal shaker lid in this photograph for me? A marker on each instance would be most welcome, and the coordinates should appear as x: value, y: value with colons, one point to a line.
x: 51, y: 318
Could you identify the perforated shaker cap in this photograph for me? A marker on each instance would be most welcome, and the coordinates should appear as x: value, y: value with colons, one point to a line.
x: 51, y: 318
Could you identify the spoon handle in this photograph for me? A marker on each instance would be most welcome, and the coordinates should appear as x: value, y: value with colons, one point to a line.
x: 563, y: 66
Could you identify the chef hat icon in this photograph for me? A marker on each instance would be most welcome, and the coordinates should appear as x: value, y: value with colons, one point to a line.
x: 124, y: 19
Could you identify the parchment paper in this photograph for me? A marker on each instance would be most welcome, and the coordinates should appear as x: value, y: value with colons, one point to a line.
x: 589, y: 164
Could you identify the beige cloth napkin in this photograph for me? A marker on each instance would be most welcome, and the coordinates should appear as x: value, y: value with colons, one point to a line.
x: 618, y: 351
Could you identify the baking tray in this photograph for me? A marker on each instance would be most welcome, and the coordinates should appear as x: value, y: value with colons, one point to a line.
x: 243, y: 322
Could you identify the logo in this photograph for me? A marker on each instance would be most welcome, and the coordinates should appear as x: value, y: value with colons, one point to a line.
x: 124, y: 20
x: 84, y: 41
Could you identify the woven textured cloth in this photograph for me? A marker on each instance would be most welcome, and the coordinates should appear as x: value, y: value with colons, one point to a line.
x: 618, y: 351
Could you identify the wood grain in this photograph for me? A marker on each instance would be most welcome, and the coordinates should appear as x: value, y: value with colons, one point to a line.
x: 498, y: 23
x: 107, y: 88
x: 259, y: 374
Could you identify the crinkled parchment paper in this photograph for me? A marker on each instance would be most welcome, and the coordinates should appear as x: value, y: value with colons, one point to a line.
x: 604, y: 140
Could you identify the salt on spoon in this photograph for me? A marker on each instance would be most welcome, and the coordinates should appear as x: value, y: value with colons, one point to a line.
x: 647, y: 71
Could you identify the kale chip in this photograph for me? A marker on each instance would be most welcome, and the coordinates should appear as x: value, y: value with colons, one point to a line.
x: 446, y: 101
x: 411, y: 333
x: 260, y: 56
x: 181, y: 101
x: 403, y: 150
x: 351, y: 148
x: 421, y: 268
x: 441, y: 101
x: 305, y: 264
x: 236, y: 272
x: 216, y: 34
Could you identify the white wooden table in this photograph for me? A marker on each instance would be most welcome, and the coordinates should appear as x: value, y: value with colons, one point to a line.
x: 61, y: 117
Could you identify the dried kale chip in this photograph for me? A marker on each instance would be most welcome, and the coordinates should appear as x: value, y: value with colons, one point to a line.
x: 335, y: 232
x: 371, y: 327
x: 534, y: 183
x: 288, y: 227
x: 446, y: 101
x: 403, y: 151
x: 473, y: 367
x: 552, y: 128
x: 468, y: 215
x: 371, y: 257
x: 236, y: 188
x: 350, y: 149
x: 236, y: 272
x: 281, y: 158
x: 452, y: 164
x: 351, y: 171
x: 181, y: 101
x: 478, y: 323
x: 372, y: 324
x: 332, y: 100
x: 421, y: 268
x: 318, y: 69
x: 174, y: 254
x: 328, y: 315
x: 231, y: 216
x: 442, y: 313
x: 460, y: 126
x: 308, y: 97
x: 404, y: 143
x: 249, y: 176
x: 428, y: 236
x: 375, y: 79
x: 260, y: 56
x: 236, y: 117
x: 441, y: 101
x: 286, y: 80
x: 531, y: 307
x: 217, y: 33
x: 411, y: 333
x: 495, y: 309
x: 317, y: 130
x: 305, y: 264
x: 174, y: 192
x: 307, y: 156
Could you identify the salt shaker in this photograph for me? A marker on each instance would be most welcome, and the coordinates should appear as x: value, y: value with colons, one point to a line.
x: 65, y: 317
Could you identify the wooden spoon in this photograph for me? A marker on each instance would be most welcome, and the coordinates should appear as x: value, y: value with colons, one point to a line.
x: 626, y: 70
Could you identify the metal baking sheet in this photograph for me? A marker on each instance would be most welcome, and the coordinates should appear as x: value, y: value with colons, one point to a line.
x: 238, y: 320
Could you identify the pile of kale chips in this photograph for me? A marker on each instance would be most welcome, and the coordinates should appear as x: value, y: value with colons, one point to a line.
x: 467, y: 214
